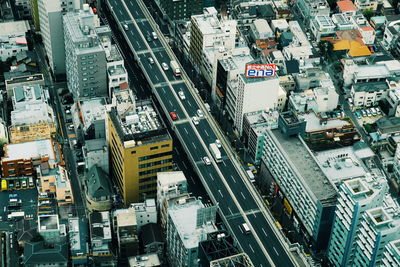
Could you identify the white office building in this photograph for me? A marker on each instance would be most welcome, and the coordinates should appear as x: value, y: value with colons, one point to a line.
x: 211, y: 32
x: 86, y: 63
x: 355, y: 197
x: 188, y: 224
x: 170, y: 184
x: 246, y: 95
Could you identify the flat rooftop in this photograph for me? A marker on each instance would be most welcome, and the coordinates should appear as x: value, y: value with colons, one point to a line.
x: 185, y: 219
x: 142, y: 125
x: 28, y: 150
x: 166, y: 178
x: 304, y: 162
x: 340, y: 164
x: 14, y: 27
x: 77, y: 235
x: 126, y: 217
x: 315, y: 123
x: 48, y: 222
x: 92, y: 110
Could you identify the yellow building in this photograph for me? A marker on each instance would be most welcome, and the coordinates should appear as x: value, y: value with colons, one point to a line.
x: 33, y: 132
x: 140, y: 146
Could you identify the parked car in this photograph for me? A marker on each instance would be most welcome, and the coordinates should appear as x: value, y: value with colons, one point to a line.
x: 363, y: 113
x: 195, y: 121
x: 164, y: 66
x: 181, y: 95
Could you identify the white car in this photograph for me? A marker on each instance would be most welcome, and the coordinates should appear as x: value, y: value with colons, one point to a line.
x: 126, y: 27
x: 218, y: 143
x: 151, y: 60
x: 182, y: 95
x: 207, y: 161
x: 164, y: 66
x: 71, y: 127
x: 200, y: 113
x: 195, y: 121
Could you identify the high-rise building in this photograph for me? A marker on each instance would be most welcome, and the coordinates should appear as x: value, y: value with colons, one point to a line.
x: 250, y: 94
x: 188, y: 225
x: 378, y: 227
x: 181, y: 10
x: 309, y: 197
x: 140, y: 147
x: 50, y: 17
x: 85, y: 56
x: 391, y: 255
x: 207, y: 31
x: 355, y: 197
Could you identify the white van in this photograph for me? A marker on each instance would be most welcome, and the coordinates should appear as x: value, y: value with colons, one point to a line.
x: 155, y: 37
x: 245, y: 228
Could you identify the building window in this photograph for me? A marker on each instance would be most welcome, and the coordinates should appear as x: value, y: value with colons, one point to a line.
x: 153, y: 147
x: 165, y: 145
x: 133, y: 152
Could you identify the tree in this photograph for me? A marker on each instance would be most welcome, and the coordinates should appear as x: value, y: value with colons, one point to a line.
x: 368, y: 13
x: 2, y: 142
x: 325, y: 47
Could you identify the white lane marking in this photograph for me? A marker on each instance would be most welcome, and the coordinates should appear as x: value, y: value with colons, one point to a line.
x: 193, y: 144
x: 233, y: 179
x: 206, y: 133
x: 137, y: 42
x: 171, y: 105
x: 177, y: 152
x: 220, y: 193
x: 275, y: 251
x: 254, y: 215
x: 242, y: 195
x: 251, y: 248
x: 240, y: 229
x: 223, y: 162
x: 265, y: 233
x: 189, y: 103
x: 186, y: 131
x: 184, y: 164
x: 230, y: 210
x: 163, y: 90
x: 211, y: 176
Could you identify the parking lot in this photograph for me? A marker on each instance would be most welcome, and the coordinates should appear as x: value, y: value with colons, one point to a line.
x: 29, y: 204
x: 368, y: 115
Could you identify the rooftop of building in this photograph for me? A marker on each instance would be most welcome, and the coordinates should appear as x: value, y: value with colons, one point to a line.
x: 91, y: 110
x: 36, y: 253
x: 370, y: 86
x: 341, y: 163
x: 100, y: 225
x: 324, y: 21
x: 346, y: 6
x: 148, y: 205
x: 312, y: 176
x: 24, y: 93
x: 209, y: 24
x: 80, y: 25
x: 315, y: 123
x: 31, y: 114
x: 236, y: 62
x: 126, y: 217
x: 262, y: 26
x: 383, y: 218
x: 141, y: 126
x: 95, y: 144
x: 388, y: 125
x: 145, y: 260
x: 184, y: 217
x: 98, y: 183
x: 167, y: 178
x: 48, y: 222
x: 14, y: 28
x: 25, y: 78
x: 299, y: 34
x: 77, y: 233
x: 29, y: 150
x: 341, y: 19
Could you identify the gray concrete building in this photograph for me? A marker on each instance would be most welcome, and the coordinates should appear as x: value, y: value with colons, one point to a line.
x: 85, y: 57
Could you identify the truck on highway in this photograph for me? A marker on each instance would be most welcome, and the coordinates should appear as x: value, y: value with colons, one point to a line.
x: 215, y: 152
x: 175, y: 68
